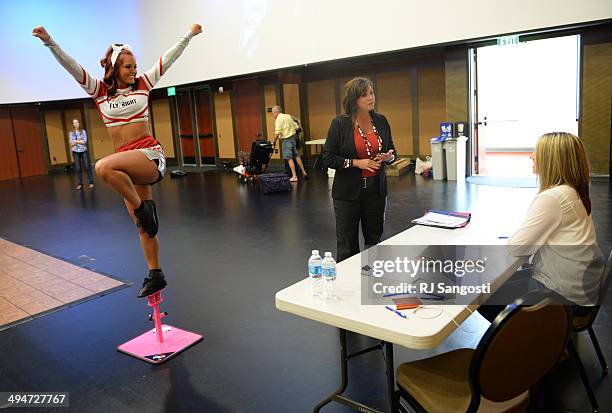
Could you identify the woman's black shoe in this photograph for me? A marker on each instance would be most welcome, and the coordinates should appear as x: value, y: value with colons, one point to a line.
x: 153, y: 283
x: 147, y: 217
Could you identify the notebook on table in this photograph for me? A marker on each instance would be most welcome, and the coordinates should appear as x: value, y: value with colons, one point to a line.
x: 444, y: 219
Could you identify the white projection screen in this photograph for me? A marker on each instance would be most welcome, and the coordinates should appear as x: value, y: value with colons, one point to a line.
x: 248, y: 36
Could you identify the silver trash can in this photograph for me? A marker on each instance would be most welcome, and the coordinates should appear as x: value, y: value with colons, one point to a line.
x: 438, y: 163
x: 455, y: 157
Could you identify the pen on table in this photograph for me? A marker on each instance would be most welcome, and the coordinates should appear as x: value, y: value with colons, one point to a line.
x: 393, y: 295
x: 395, y: 311
x: 503, y: 237
x: 431, y: 296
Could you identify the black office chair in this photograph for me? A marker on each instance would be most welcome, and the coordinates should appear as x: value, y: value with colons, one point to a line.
x: 584, y: 322
x: 522, y: 344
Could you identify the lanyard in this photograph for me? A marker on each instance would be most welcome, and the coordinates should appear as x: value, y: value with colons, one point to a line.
x: 367, y: 142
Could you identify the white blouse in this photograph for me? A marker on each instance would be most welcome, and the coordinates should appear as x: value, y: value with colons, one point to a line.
x: 560, y: 235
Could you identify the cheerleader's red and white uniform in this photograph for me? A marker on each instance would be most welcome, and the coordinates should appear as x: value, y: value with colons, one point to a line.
x: 128, y: 105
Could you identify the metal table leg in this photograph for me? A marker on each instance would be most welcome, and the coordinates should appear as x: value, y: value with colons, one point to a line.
x: 337, y: 396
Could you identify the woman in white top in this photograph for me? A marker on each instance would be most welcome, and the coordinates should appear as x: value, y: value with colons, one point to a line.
x: 558, y: 230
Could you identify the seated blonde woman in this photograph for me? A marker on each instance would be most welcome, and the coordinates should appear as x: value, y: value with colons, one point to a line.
x: 558, y: 232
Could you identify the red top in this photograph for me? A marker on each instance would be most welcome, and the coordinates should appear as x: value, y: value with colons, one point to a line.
x: 362, y: 152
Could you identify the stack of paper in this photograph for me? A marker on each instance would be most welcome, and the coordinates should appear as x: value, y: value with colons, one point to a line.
x: 444, y: 219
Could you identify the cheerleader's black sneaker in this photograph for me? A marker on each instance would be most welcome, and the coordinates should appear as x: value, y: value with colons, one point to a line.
x: 153, y: 283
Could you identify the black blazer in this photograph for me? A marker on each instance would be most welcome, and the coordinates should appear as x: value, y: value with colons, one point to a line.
x: 340, y: 144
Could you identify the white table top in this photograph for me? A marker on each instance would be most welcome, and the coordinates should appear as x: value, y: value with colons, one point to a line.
x: 316, y: 142
x: 416, y: 331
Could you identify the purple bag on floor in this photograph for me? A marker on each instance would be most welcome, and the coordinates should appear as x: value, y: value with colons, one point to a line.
x: 274, y: 182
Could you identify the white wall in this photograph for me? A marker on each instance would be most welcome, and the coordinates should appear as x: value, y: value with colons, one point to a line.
x: 28, y: 71
x: 245, y: 36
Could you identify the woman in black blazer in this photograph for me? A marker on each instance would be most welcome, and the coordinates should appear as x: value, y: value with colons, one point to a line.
x: 358, y: 147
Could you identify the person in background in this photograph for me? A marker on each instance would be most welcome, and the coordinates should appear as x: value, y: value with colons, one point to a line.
x: 557, y: 232
x: 78, y: 146
x: 298, y: 146
x: 359, y: 145
x: 285, y: 130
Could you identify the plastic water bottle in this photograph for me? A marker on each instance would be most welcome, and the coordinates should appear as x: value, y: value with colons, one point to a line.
x: 328, y: 271
x: 314, y: 272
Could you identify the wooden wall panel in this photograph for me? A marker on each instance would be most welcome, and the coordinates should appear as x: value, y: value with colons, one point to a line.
x: 270, y: 99
x: 456, y: 85
x: 432, y: 105
x: 321, y: 107
x: 100, y: 143
x: 247, y: 111
x: 56, y: 138
x: 291, y: 102
x: 160, y: 108
x: 341, y: 84
x: 595, y: 127
x: 70, y: 115
x: 225, y: 128
x: 291, y: 99
x: 26, y: 127
x: 394, y: 100
x: 9, y: 167
x: 339, y: 96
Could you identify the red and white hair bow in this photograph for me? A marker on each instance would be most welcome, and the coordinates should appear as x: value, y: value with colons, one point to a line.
x: 116, y: 50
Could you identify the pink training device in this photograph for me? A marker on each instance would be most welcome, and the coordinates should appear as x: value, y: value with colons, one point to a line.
x: 161, y: 343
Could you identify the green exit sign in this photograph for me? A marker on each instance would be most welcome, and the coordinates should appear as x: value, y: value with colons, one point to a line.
x: 507, y: 40
x: 171, y: 91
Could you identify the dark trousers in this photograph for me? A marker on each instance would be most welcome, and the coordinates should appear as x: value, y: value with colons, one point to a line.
x: 519, y: 284
x: 369, y: 210
x: 82, y: 157
x: 516, y: 286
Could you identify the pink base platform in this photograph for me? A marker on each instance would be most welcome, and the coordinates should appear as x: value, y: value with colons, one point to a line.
x: 164, y: 341
x: 147, y: 348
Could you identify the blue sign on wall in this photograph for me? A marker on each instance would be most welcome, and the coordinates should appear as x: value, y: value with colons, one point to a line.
x: 446, y: 129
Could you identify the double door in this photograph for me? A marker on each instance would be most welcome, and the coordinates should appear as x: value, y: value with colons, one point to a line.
x: 520, y: 92
x: 197, y: 145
